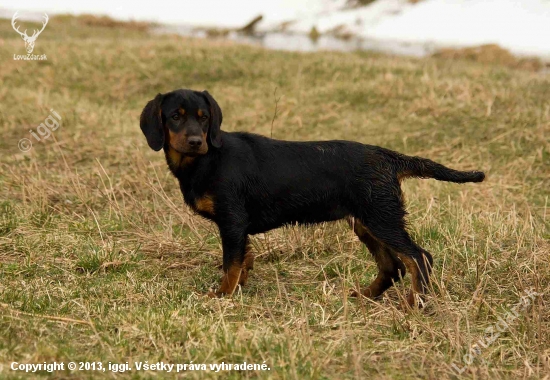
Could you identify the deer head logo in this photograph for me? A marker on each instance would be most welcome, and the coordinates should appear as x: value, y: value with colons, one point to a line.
x: 29, y: 41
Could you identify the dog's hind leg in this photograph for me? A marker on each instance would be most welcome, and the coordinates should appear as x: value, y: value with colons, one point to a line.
x: 390, y: 268
x: 417, y: 261
x: 383, y: 218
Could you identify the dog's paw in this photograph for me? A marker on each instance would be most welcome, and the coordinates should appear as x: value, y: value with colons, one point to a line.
x: 413, y: 301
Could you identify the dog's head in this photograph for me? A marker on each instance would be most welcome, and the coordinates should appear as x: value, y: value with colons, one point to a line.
x: 184, y: 120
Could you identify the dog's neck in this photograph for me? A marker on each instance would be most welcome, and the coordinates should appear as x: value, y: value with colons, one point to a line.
x: 177, y: 162
x: 187, y: 169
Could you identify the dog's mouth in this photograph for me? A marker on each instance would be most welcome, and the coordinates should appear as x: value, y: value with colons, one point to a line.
x: 190, y: 152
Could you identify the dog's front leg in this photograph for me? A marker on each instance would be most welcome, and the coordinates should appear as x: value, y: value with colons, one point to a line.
x: 234, y: 245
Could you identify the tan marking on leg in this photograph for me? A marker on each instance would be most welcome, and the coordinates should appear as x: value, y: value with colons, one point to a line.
x: 384, y: 261
x: 378, y: 286
x: 360, y: 229
x: 247, y: 265
x: 230, y: 280
x: 416, y: 280
x: 384, y: 280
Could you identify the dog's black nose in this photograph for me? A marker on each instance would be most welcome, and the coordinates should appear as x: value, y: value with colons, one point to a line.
x: 195, y: 141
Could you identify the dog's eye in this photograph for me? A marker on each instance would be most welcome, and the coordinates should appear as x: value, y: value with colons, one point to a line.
x: 175, y: 117
x: 204, y: 118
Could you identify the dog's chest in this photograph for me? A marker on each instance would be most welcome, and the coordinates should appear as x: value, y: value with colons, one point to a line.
x: 203, y: 204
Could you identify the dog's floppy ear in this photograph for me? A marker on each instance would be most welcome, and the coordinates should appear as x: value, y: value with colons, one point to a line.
x: 214, y: 133
x: 151, y: 123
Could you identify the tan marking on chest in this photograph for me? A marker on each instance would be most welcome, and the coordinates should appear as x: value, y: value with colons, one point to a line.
x: 205, y: 204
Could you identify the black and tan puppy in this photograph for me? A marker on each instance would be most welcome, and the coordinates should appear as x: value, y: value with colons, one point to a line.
x: 248, y: 184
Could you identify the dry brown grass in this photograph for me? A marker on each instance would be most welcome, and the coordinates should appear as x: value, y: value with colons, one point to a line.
x: 491, y: 54
x: 101, y: 261
x: 104, y: 22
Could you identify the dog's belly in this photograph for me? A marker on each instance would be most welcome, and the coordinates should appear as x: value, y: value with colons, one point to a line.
x: 262, y: 220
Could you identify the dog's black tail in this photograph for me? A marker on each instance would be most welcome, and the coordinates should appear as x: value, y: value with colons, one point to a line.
x: 423, y: 168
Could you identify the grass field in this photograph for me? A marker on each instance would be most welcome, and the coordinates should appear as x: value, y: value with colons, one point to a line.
x: 100, y: 260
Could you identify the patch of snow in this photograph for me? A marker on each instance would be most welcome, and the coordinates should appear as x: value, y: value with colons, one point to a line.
x: 522, y: 26
x: 354, y: 20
